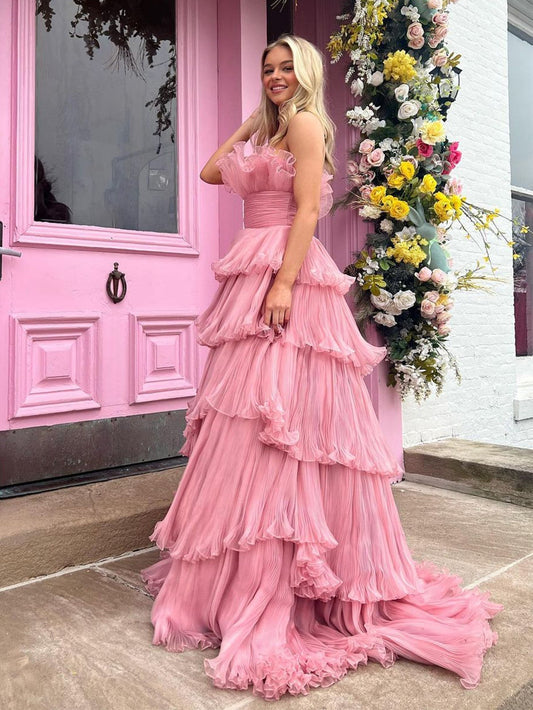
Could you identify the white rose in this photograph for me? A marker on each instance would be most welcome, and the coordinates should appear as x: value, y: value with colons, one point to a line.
x: 393, y: 309
x: 401, y: 92
x: 370, y: 212
x: 408, y: 109
x: 386, y: 225
x: 382, y: 301
x: 385, y: 319
x: 376, y: 78
x: 404, y: 299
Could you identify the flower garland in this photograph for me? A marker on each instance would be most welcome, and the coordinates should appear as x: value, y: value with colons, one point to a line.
x: 406, y: 79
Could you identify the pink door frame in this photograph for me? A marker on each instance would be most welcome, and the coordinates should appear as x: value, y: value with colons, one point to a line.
x: 56, y: 322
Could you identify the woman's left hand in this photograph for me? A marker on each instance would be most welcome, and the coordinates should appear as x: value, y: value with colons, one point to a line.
x: 277, y: 305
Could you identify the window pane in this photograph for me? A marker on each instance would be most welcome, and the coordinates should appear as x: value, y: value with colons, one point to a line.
x: 98, y: 158
x: 521, y: 111
x: 523, y: 278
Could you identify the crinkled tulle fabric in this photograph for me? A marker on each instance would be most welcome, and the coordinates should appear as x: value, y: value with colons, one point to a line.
x: 283, y: 545
x: 266, y: 168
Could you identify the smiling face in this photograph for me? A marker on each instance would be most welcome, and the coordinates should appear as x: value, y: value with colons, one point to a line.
x: 279, y: 79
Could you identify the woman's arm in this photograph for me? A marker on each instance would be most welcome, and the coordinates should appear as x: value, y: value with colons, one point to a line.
x: 210, y: 173
x: 305, y: 139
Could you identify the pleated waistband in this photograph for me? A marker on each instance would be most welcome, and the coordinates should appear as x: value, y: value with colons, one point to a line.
x: 269, y: 208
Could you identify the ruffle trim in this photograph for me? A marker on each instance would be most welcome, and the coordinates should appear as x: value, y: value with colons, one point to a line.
x: 454, y: 635
x: 313, y: 426
x: 253, y: 253
x: 266, y: 168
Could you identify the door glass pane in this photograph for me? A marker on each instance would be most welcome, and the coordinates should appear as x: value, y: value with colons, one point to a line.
x: 523, y: 278
x: 103, y: 157
x: 520, y: 111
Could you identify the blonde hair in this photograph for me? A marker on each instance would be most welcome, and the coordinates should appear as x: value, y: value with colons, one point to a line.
x: 271, y: 125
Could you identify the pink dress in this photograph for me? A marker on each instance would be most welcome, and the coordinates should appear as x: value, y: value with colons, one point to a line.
x: 283, y: 545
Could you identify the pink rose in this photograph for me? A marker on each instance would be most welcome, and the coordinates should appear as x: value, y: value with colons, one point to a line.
x: 351, y: 167
x: 443, y: 317
x: 365, y: 191
x: 424, y: 274
x: 364, y: 165
x: 438, y: 276
x: 443, y: 329
x: 440, y: 32
x: 454, y: 155
x: 424, y: 149
x: 453, y: 187
x: 439, y: 58
x: 376, y: 157
x: 440, y: 18
x: 388, y: 171
x: 439, y: 309
x: 416, y: 43
x: 427, y: 308
x: 434, y: 4
x: 432, y: 296
x: 356, y: 180
x: 415, y: 30
x: 367, y: 146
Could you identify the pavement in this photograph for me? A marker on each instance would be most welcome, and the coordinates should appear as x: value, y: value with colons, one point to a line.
x: 80, y: 639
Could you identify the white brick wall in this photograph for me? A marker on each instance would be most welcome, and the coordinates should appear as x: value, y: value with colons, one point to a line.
x: 480, y: 408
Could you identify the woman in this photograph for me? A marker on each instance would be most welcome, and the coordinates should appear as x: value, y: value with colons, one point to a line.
x: 283, y: 544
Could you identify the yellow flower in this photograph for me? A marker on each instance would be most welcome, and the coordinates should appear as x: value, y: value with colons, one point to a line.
x: 399, y: 66
x: 377, y: 194
x: 399, y: 210
x: 433, y: 132
x: 387, y: 202
x: 407, y: 169
x: 428, y: 184
x: 456, y: 203
x: 443, y: 210
x: 396, y: 180
x: 407, y: 251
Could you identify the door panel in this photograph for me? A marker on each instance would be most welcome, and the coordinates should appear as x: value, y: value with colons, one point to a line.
x: 68, y: 353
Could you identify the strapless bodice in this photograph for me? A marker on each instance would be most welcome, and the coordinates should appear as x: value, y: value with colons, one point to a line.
x: 268, y: 208
x: 264, y: 179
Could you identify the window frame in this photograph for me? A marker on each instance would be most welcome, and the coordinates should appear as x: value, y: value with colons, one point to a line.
x: 28, y: 231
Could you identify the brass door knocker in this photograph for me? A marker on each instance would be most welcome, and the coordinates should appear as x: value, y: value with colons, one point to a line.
x: 115, y: 278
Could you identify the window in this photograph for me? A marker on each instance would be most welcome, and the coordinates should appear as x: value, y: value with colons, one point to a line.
x: 100, y: 158
x: 520, y: 48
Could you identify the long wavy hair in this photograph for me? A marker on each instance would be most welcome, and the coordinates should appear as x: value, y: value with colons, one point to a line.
x: 271, y: 124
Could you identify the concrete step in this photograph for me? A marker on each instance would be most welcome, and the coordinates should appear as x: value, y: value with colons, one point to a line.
x: 46, y: 532
x: 490, y: 470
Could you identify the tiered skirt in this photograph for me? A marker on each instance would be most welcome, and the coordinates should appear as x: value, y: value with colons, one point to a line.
x: 283, y: 545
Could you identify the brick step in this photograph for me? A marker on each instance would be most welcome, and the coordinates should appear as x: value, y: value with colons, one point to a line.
x: 43, y: 533
x: 490, y: 470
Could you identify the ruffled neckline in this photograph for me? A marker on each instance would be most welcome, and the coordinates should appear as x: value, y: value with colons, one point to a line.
x: 285, y: 157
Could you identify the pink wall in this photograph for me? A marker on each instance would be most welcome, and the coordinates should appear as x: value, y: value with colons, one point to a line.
x: 344, y: 232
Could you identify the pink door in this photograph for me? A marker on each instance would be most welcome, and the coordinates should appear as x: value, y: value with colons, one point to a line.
x: 90, y: 380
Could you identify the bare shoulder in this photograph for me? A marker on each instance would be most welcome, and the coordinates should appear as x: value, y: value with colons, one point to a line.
x: 305, y: 132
